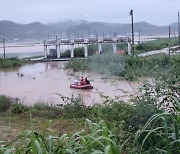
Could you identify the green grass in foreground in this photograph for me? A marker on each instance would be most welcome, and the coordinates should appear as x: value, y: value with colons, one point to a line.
x: 10, y: 62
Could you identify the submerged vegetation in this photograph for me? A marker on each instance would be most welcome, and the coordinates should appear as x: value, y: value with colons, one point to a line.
x: 127, y: 67
x: 10, y: 62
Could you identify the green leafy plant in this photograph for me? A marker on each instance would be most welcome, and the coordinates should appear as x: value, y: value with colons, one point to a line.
x: 18, y: 108
x: 5, y: 102
x: 10, y: 62
x: 95, y: 138
x: 160, y: 134
x: 41, y: 106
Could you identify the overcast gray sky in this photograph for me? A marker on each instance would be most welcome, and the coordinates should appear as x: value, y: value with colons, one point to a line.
x: 158, y: 12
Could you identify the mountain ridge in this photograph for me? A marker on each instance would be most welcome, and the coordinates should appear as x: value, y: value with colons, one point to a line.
x: 74, y: 28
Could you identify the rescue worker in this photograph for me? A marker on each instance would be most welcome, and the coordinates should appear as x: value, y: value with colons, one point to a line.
x: 82, y: 81
x: 87, y: 81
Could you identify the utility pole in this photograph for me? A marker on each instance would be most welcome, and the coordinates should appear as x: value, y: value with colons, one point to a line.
x: 4, y: 48
x: 117, y: 31
x: 96, y: 33
x: 61, y: 34
x: 131, y: 13
x: 179, y: 27
x: 174, y: 32
x: 139, y: 36
x: 169, y: 40
x: 48, y: 35
x: 82, y: 35
x: 125, y: 31
x: 56, y: 43
x: 89, y: 34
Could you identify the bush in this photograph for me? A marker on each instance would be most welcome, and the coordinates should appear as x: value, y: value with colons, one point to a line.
x: 151, y: 66
x: 144, y: 107
x: 109, y: 64
x: 48, y: 113
x: 41, y: 106
x: 41, y: 109
x: 92, y: 49
x: 78, y: 52
x: 18, y: 108
x: 5, y: 103
x: 115, y: 113
x: 78, y: 65
x: 74, y: 107
x: 10, y: 62
x: 65, y: 54
x: 159, y: 135
x: 75, y: 110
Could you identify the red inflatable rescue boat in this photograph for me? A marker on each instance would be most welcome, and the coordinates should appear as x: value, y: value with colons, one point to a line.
x: 87, y: 86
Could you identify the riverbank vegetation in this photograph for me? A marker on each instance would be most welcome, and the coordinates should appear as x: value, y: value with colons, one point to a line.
x: 10, y: 62
x: 158, y: 44
x: 127, y: 67
x: 78, y: 52
x: 148, y: 123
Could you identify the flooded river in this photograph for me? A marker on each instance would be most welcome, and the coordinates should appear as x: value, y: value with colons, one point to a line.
x: 42, y: 82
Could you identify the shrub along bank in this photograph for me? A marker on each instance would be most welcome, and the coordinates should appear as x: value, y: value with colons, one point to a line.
x: 78, y: 52
x: 10, y: 62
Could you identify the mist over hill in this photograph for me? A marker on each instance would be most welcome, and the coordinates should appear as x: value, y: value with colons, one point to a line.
x: 80, y: 28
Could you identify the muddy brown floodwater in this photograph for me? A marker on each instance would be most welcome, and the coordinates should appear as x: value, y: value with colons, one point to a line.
x: 41, y: 82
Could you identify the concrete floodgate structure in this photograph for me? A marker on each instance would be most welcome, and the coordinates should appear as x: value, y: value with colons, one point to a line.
x: 54, y: 48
